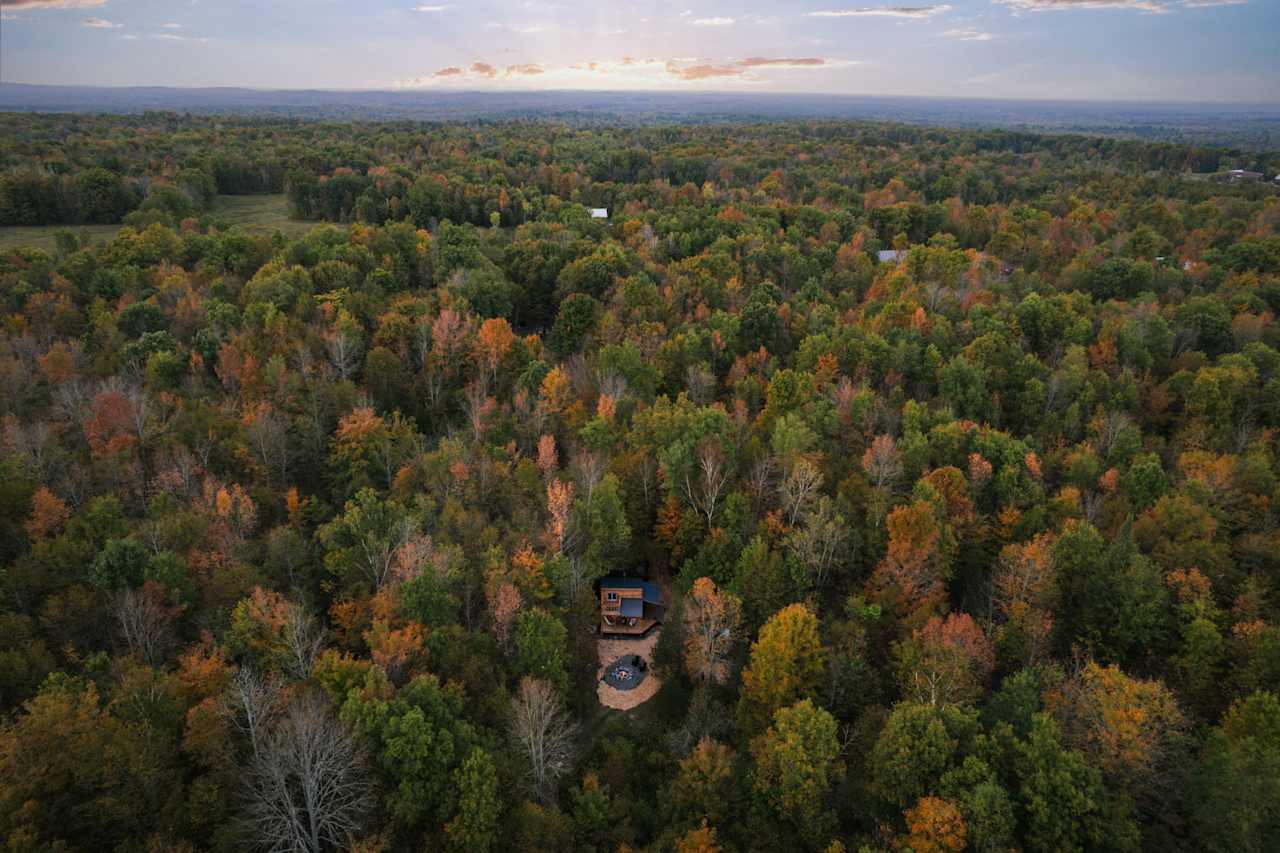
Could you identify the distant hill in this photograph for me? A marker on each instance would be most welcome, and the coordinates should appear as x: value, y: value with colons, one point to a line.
x: 1255, y: 126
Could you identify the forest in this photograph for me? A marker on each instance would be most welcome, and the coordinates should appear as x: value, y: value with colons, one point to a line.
x: 953, y: 454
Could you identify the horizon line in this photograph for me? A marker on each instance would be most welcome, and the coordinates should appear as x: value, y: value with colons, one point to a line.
x: 392, y: 90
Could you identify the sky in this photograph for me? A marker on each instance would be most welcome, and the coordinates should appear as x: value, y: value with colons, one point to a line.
x: 1150, y: 50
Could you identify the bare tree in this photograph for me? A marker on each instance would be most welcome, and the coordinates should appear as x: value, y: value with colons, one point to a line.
x: 648, y: 476
x: 589, y: 469
x: 760, y: 478
x: 142, y: 414
x: 883, y: 462
x: 72, y: 400
x: 819, y: 543
x: 1110, y: 431
x: 306, y: 789
x: 705, y: 484
x: 423, y: 338
x: 581, y: 376
x: 34, y: 443
x: 611, y: 384
x: 305, y: 639
x: 268, y: 435
x: 344, y: 352
x: 253, y: 702
x: 146, y: 622
x: 798, y: 488
x: 545, y: 733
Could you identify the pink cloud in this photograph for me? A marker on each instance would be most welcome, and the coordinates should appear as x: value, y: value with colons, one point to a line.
x: 762, y: 62
x: 702, y: 72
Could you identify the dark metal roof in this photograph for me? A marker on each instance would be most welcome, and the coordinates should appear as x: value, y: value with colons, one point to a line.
x: 652, y: 593
x: 632, y: 607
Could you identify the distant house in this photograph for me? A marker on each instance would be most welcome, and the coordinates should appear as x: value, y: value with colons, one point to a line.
x: 1243, y: 175
x: 891, y: 256
x: 629, y: 606
x: 599, y: 213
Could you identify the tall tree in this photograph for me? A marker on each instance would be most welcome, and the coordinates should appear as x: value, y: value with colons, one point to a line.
x: 712, y: 619
x: 787, y: 664
x: 305, y: 786
x: 545, y: 734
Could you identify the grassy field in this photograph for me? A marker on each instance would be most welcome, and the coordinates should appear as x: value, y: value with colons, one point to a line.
x: 41, y: 236
x: 260, y: 214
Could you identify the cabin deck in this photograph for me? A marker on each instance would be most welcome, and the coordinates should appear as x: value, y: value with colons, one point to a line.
x: 618, y: 625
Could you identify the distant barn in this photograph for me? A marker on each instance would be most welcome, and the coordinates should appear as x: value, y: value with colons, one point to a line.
x: 599, y: 213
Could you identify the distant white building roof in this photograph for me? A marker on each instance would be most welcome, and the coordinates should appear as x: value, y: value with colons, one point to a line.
x: 891, y: 255
x: 599, y: 213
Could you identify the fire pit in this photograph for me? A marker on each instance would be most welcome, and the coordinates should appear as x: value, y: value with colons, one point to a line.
x: 625, y: 673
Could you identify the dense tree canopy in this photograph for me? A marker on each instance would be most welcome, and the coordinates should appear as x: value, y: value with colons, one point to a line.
x: 972, y: 548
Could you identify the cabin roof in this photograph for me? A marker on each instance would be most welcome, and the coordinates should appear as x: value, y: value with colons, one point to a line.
x: 599, y: 213
x: 886, y: 255
x: 651, y: 592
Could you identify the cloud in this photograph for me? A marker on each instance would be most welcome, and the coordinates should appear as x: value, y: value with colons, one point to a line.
x: 1155, y: 6
x: 176, y: 37
x: 54, y: 4
x: 713, y: 22
x: 627, y: 72
x: 762, y: 62
x: 1063, y: 5
x: 702, y: 72
x: 967, y: 35
x: 914, y: 12
x: 531, y: 29
x: 100, y: 24
x: 170, y: 26
x: 429, y: 8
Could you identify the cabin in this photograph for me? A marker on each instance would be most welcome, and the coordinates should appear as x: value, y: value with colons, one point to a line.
x: 629, y: 606
x: 1243, y: 175
x: 599, y: 213
x: 891, y: 256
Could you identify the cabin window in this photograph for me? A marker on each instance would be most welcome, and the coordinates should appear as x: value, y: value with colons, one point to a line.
x: 610, y: 596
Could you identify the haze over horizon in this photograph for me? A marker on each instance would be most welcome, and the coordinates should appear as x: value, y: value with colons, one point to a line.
x: 1145, y: 50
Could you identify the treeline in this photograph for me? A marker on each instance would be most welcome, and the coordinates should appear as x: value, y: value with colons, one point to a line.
x: 54, y: 169
x: 975, y: 548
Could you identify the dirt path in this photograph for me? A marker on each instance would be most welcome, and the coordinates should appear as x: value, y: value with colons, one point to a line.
x: 611, y: 650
